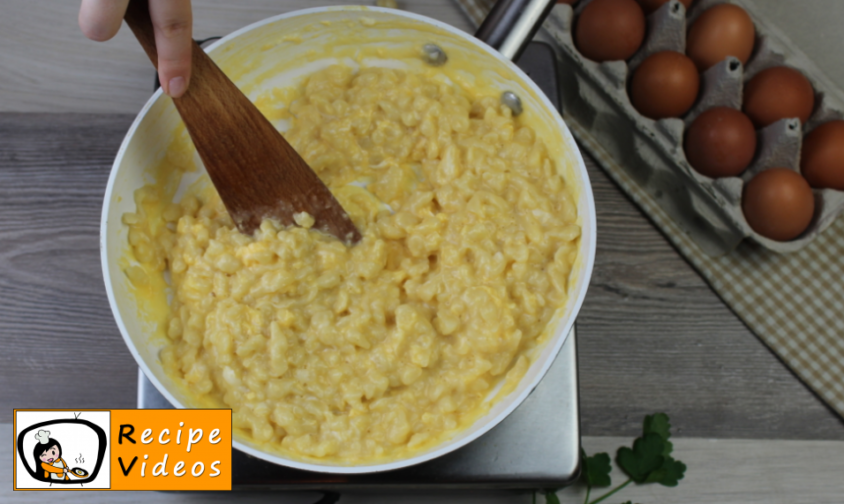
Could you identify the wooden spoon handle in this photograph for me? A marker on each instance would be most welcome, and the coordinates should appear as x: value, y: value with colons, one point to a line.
x: 138, y: 18
x: 256, y: 172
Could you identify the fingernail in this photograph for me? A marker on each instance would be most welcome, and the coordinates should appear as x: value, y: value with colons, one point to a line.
x: 176, y: 87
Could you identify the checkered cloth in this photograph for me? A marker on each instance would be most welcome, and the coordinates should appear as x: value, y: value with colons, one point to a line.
x: 793, y: 302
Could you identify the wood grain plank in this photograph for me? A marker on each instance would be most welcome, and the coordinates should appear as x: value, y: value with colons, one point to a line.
x: 47, y: 65
x: 738, y: 471
x: 61, y: 347
x: 652, y: 335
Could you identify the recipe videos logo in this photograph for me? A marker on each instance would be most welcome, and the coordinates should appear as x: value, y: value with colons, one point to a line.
x: 123, y: 450
x: 61, y: 449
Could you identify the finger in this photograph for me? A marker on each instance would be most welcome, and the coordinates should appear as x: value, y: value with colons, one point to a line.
x: 100, y: 19
x: 172, y: 21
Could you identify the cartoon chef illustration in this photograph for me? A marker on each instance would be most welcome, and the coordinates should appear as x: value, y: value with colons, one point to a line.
x: 48, y: 458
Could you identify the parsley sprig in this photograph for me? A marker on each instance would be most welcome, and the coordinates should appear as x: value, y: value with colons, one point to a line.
x: 649, y: 461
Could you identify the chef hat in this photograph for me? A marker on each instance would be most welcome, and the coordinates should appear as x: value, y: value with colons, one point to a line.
x: 43, y: 436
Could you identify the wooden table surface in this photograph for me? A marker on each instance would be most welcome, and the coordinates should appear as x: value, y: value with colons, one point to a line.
x: 652, y: 335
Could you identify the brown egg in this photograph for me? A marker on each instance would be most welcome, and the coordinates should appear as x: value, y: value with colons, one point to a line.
x: 720, y: 142
x: 822, y: 157
x: 778, y: 93
x: 665, y: 85
x: 609, y: 30
x: 724, y: 30
x: 651, y: 5
x: 778, y: 203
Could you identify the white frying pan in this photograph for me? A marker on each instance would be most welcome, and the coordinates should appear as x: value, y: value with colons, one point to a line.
x: 275, y: 52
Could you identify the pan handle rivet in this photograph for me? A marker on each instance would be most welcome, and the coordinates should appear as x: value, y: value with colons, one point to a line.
x: 434, y: 55
x: 512, y: 101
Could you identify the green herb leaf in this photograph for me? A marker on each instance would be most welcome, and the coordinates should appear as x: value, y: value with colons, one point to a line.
x: 658, y: 424
x: 669, y: 474
x: 645, y: 457
x: 595, y: 470
x: 551, y: 497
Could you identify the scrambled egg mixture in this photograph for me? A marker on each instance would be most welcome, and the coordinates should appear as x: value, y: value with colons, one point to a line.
x: 373, y: 352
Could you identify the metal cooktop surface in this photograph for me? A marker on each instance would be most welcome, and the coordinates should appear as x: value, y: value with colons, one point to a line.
x: 537, y: 446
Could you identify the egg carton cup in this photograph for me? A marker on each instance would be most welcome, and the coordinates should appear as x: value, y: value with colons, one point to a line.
x: 594, y: 96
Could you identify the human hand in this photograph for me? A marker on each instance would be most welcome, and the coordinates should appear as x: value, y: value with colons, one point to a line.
x: 173, y: 22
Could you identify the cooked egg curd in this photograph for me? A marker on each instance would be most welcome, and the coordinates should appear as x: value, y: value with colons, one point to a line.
x: 374, y: 352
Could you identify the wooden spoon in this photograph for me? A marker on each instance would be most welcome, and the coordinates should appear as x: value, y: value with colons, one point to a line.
x: 255, y: 170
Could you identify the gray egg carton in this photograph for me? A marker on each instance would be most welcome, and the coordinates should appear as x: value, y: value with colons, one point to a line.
x: 594, y: 95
